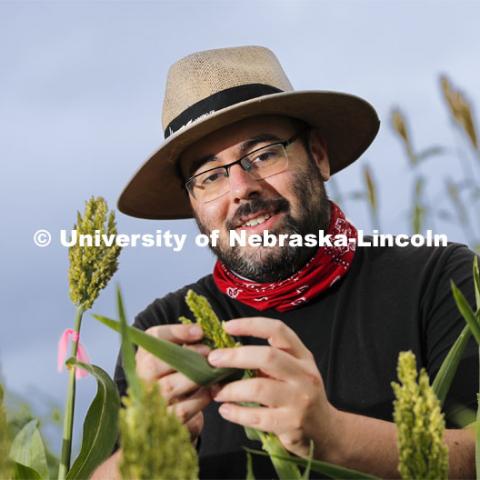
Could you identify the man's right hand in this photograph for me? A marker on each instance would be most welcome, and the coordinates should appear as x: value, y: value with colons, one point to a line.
x: 184, y: 397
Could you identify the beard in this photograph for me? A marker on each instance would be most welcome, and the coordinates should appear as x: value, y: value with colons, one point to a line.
x: 272, y: 264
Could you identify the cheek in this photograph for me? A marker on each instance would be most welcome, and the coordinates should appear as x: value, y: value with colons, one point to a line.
x: 212, y: 215
x: 284, y: 185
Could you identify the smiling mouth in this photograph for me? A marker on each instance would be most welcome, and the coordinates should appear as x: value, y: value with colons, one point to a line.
x: 258, y: 212
x: 256, y: 221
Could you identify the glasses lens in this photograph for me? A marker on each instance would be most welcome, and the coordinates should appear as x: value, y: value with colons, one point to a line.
x: 209, y: 185
x: 266, y: 161
x: 261, y: 163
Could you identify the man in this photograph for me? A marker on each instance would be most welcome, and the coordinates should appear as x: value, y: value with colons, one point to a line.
x: 322, y: 326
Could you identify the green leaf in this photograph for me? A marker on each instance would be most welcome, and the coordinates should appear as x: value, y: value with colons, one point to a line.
x: 466, y: 311
x: 28, y: 449
x: 477, y: 440
x: 128, y: 353
x: 446, y: 373
x: 100, y: 428
x: 274, y: 448
x: 324, y: 468
x: 250, y: 475
x: 190, y: 363
x: 252, y: 434
x: 476, y: 282
x: 306, y: 473
x: 463, y: 417
x: 22, y: 472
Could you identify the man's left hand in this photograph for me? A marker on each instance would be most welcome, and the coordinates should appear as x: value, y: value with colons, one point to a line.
x: 288, y: 387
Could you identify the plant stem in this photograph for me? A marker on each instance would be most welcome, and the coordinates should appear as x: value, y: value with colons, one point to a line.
x: 69, y: 406
x: 272, y: 445
x: 477, y: 432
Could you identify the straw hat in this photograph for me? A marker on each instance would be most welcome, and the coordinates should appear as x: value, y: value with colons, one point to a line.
x: 209, y: 90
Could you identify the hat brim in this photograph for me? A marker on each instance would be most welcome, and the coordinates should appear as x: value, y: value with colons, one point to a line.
x: 348, y: 123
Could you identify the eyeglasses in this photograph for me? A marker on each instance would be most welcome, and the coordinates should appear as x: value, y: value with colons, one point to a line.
x: 260, y: 163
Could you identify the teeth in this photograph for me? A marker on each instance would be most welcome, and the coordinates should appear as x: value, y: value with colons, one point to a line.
x: 257, y: 220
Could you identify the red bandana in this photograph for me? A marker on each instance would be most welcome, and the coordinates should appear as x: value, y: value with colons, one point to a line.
x: 327, y: 266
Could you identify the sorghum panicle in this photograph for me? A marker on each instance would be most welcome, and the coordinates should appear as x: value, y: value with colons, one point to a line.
x: 154, y: 442
x: 92, y: 267
x: 213, y: 331
x: 420, y: 424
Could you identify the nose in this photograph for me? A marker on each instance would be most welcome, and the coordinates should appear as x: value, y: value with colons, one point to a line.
x: 242, y: 183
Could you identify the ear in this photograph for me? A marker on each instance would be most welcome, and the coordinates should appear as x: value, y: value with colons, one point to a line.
x: 318, y: 148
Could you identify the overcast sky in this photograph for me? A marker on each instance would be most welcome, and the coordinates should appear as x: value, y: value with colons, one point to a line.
x: 81, y: 87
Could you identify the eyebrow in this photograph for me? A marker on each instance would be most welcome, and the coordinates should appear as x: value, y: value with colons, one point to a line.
x: 245, y: 148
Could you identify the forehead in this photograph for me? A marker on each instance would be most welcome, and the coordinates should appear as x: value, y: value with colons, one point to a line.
x: 231, y: 137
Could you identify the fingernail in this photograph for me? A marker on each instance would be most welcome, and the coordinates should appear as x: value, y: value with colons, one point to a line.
x: 203, y: 350
x: 195, y: 330
x: 215, y: 356
x: 224, y: 409
x: 229, y: 324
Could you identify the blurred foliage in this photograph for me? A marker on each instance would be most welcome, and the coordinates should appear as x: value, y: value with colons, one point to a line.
x: 4, y: 440
x: 20, y: 412
x: 458, y: 200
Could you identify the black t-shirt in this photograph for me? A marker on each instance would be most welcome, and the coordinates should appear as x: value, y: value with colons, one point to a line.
x: 391, y: 300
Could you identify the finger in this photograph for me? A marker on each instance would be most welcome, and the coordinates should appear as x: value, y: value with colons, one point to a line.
x: 176, y: 384
x: 272, y: 361
x: 186, y: 409
x: 199, y: 348
x: 267, y: 392
x: 276, y: 332
x: 261, y: 418
x: 177, y: 332
x: 149, y: 367
x: 195, y: 425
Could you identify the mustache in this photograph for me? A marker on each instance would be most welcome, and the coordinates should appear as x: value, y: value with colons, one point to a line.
x: 256, y: 205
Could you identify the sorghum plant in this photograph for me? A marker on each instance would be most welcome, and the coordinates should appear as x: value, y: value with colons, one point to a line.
x: 91, y: 268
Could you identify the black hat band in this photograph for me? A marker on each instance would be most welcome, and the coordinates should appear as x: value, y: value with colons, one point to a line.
x: 218, y: 101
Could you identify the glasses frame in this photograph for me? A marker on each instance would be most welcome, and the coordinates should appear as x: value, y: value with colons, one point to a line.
x: 246, y: 166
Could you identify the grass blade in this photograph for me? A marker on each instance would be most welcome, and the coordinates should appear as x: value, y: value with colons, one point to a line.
x: 306, y: 473
x: 324, y: 468
x: 446, y: 373
x: 466, y: 311
x: 477, y: 441
x: 22, y: 472
x: 252, y: 434
x: 271, y: 444
x: 100, y: 427
x: 28, y: 450
x: 477, y: 435
x: 476, y: 283
x: 190, y: 363
x: 128, y: 352
x: 250, y: 475
x: 463, y: 417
